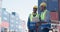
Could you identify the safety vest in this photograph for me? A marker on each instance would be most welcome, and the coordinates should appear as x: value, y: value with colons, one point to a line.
x: 31, y: 16
x: 43, y: 15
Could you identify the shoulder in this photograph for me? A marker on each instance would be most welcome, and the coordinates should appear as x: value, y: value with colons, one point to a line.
x: 48, y: 12
x: 30, y: 14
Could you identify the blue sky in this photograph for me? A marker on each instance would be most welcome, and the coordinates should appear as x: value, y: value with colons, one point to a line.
x: 22, y: 7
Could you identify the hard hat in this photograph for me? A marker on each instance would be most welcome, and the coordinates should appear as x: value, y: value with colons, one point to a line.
x: 35, y: 6
x: 43, y: 4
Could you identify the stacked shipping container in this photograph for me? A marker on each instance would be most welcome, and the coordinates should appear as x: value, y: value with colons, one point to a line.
x: 0, y: 19
x: 54, y: 7
x: 5, y: 20
x: 14, y: 22
x: 11, y: 22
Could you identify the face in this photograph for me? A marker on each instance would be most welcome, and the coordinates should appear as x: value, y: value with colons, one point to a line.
x: 42, y: 8
x: 34, y: 10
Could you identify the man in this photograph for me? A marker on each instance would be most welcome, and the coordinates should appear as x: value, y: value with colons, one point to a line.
x: 32, y: 20
x: 45, y: 17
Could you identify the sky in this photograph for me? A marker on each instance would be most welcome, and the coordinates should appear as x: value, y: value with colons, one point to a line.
x: 22, y: 7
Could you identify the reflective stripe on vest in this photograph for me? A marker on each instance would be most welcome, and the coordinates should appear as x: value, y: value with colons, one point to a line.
x: 31, y: 16
x: 43, y: 15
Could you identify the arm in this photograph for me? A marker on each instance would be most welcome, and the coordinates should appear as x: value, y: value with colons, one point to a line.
x: 47, y: 16
x: 28, y: 23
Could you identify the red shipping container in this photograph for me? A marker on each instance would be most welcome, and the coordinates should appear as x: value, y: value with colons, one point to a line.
x: 5, y: 24
x: 54, y: 16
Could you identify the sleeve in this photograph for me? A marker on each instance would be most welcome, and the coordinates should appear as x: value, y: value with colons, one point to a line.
x: 28, y: 23
x: 39, y: 17
x: 47, y: 17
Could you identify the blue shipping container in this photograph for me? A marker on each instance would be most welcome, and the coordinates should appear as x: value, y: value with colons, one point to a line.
x: 52, y: 5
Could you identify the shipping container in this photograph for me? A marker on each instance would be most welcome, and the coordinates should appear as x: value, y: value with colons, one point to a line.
x: 59, y: 9
x: 0, y: 19
x: 52, y: 5
x: 14, y: 22
x: 54, y: 17
x: 4, y: 19
x: 5, y: 15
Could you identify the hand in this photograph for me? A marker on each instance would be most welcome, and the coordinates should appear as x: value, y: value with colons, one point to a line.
x: 38, y: 24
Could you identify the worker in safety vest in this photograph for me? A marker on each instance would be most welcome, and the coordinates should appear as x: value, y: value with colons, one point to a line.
x: 45, y: 17
x: 33, y: 19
